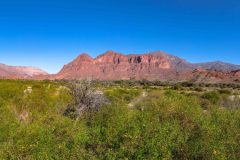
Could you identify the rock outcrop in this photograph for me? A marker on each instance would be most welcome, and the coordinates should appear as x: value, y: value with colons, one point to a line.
x: 149, y: 66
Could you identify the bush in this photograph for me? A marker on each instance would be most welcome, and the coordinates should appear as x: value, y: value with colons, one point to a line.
x: 86, y: 99
x: 213, y: 96
x: 225, y: 91
x: 177, y: 87
x: 199, y: 89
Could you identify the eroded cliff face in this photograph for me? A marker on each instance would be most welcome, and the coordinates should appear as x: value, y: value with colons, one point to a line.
x: 149, y: 66
x: 116, y: 66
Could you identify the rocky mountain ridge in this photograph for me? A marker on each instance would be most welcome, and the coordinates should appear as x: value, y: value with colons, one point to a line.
x: 112, y: 65
x: 156, y: 65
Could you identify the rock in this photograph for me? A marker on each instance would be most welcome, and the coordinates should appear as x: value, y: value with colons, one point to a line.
x: 28, y: 90
x: 149, y: 66
x: 23, y: 116
x: 115, y: 66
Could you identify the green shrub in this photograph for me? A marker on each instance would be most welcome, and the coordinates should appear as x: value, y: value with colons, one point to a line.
x: 213, y: 96
x: 225, y: 91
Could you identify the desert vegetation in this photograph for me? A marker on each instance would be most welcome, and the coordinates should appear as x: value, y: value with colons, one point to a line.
x: 118, y: 120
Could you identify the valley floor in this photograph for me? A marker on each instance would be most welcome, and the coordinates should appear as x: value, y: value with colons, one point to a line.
x: 139, y: 121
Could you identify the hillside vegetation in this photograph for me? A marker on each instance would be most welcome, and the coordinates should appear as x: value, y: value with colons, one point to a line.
x: 137, y: 121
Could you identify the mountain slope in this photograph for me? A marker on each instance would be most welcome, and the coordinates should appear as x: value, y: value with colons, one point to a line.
x: 115, y: 66
x: 217, y: 65
x: 150, y: 66
x: 19, y: 71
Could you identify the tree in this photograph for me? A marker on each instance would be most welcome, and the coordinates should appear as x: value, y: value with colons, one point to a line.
x: 85, y: 99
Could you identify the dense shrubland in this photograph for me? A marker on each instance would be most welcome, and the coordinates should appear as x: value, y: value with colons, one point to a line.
x: 46, y: 120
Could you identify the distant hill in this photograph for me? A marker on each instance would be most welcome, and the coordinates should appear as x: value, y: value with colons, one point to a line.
x: 7, y: 71
x: 218, y: 66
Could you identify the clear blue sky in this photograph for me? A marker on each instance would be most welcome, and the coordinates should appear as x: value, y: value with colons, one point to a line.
x: 51, y: 33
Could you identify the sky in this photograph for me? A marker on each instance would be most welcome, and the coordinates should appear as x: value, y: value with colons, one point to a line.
x: 51, y: 33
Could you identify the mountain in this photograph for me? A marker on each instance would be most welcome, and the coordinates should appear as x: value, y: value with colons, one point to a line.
x: 116, y: 66
x: 156, y: 65
x: 13, y: 72
x: 217, y: 65
x: 112, y: 65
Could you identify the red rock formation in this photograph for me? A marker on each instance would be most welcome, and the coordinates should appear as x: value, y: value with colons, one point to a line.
x: 150, y: 66
x: 116, y: 66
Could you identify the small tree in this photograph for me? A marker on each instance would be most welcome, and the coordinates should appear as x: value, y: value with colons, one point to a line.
x: 85, y: 99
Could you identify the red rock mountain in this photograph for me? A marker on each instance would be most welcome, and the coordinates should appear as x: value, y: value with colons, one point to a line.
x: 116, y: 66
x: 14, y: 72
x: 150, y: 66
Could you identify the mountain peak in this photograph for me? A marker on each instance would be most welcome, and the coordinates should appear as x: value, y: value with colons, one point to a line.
x: 110, y: 53
x: 83, y: 57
